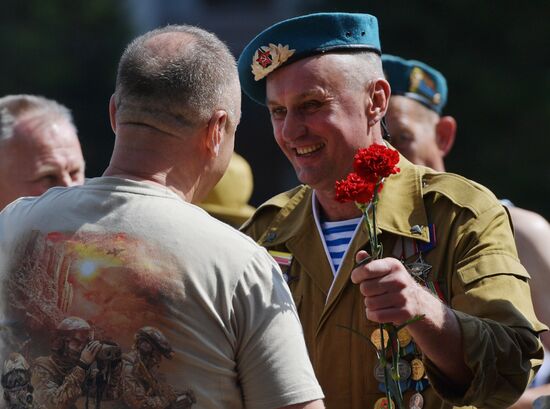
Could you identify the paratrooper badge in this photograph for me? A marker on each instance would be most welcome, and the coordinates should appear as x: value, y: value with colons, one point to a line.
x: 423, y: 84
x: 267, y: 58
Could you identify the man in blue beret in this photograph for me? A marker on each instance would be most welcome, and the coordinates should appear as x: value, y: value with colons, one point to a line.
x: 321, y: 78
x: 417, y: 127
x: 424, y: 136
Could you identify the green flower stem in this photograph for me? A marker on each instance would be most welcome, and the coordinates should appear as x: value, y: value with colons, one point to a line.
x: 391, y: 375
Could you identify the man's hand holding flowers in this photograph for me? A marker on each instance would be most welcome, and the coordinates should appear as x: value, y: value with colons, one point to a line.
x: 392, y: 295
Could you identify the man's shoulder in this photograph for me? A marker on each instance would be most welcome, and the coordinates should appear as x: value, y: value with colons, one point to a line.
x: 288, y: 200
x: 462, y: 192
x: 44, y: 363
x: 27, y: 203
x: 282, y: 199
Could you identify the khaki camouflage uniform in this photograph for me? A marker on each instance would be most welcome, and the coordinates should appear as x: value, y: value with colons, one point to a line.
x: 55, y: 386
x: 59, y: 387
x: 141, y: 389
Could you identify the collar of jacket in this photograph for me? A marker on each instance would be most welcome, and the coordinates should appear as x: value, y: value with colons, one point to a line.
x: 400, y: 208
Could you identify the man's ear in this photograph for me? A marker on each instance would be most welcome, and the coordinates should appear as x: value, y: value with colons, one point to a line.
x: 216, y: 132
x: 112, y: 113
x: 445, y: 131
x: 379, y: 97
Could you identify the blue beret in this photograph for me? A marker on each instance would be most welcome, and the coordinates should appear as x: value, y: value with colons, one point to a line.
x: 416, y: 80
x: 300, y: 37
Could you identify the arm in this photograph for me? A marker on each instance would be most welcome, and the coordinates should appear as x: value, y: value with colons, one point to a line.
x: 135, y: 392
x: 273, y: 365
x: 53, y: 395
x: 529, y: 396
x: 66, y: 394
x: 488, y: 295
x: 532, y: 236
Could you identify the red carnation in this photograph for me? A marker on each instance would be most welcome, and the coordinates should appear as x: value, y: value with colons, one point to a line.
x: 376, y: 162
x: 371, y: 166
x: 355, y: 189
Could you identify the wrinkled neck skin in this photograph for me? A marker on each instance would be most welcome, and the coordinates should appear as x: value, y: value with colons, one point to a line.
x: 148, y: 155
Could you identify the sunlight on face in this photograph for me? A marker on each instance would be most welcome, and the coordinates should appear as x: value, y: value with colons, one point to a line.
x: 43, y: 153
x: 318, y: 117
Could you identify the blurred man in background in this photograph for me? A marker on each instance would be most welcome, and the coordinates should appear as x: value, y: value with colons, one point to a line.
x: 39, y: 147
x: 424, y: 136
x: 228, y: 201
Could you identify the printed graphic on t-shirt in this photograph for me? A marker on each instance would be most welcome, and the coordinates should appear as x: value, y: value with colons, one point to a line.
x: 84, y: 325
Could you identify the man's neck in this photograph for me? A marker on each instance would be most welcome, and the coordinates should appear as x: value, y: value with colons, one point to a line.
x: 182, y: 185
x: 333, y: 210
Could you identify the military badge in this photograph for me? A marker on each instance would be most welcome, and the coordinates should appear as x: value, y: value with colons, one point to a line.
x: 423, y: 84
x: 416, y: 401
x: 284, y: 260
x: 267, y: 58
x: 383, y: 403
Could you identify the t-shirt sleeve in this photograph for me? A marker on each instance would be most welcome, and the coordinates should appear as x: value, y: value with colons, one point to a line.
x: 272, y: 360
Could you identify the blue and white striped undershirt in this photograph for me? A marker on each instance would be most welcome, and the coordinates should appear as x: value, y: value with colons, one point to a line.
x: 338, y: 236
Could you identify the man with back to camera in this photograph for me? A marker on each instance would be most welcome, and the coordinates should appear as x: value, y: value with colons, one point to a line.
x: 39, y: 147
x: 424, y: 136
x: 321, y: 78
x: 128, y: 250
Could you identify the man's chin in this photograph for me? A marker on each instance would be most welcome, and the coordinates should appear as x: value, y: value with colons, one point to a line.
x: 316, y: 183
x: 308, y: 177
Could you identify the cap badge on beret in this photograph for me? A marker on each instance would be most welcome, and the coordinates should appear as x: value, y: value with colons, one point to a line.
x: 422, y: 83
x: 268, y: 58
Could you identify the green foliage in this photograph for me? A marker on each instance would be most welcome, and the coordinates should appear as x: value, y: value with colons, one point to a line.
x: 66, y: 50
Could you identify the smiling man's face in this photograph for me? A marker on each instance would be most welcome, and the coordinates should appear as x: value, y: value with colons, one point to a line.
x: 319, y: 119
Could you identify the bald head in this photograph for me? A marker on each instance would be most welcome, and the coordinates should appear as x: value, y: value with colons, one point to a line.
x: 175, y: 110
x: 181, y: 74
x: 364, y: 67
x: 39, y: 147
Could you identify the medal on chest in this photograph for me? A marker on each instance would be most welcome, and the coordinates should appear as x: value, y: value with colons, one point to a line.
x: 284, y: 260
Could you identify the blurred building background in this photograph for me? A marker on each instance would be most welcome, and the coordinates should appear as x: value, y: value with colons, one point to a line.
x: 494, y: 54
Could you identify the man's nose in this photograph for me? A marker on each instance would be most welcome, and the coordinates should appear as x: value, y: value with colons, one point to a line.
x: 293, y: 127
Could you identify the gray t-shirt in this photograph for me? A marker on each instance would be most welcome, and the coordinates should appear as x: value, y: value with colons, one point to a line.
x: 146, y: 271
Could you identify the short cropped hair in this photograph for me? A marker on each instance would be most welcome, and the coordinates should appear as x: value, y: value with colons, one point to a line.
x: 190, y: 84
x: 13, y: 107
x: 367, y: 66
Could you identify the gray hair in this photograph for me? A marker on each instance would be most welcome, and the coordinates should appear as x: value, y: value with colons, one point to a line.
x: 367, y: 66
x: 189, y: 84
x: 14, y: 107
